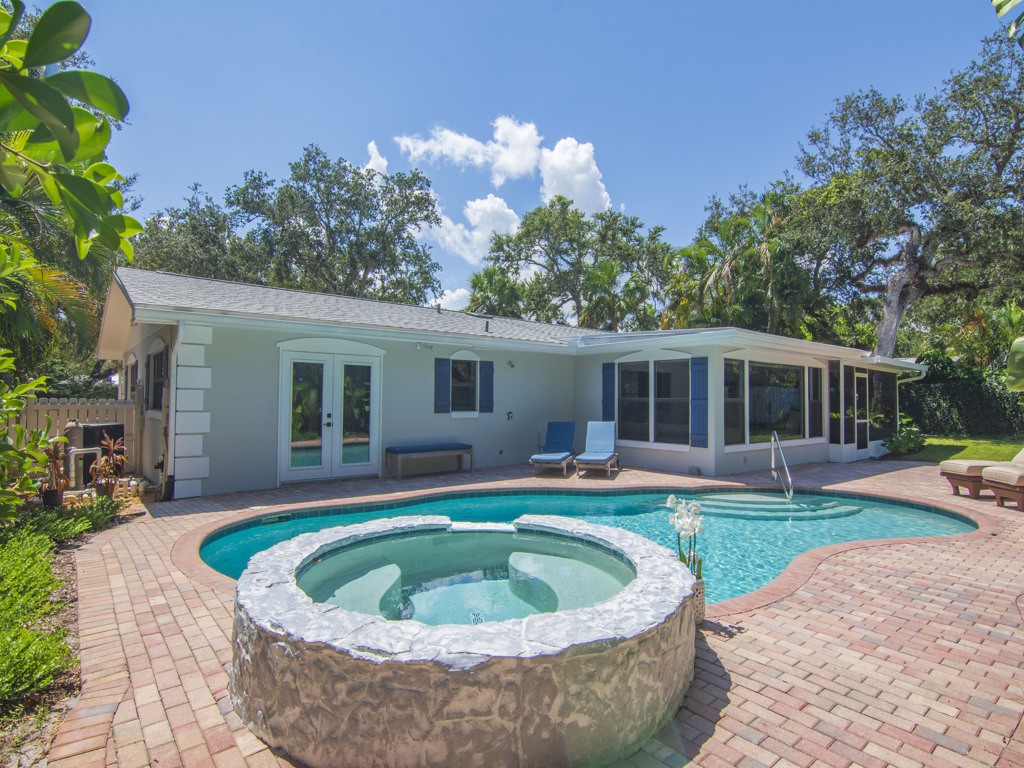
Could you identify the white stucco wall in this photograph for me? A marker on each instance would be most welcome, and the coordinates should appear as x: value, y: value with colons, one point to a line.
x: 228, y: 404
x: 243, y: 402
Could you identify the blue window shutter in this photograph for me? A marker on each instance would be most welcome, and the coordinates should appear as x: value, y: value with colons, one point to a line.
x: 442, y: 385
x: 608, y: 392
x: 486, y: 386
x: 699, y: 402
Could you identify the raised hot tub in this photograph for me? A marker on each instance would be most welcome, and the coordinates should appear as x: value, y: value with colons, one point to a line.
x: 417, y: 641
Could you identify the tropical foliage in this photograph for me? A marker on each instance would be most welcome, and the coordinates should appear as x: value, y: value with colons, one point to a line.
x: 49, y: 147
x: 55, y: 187
x: 602, y: 271
x: 1003, y: 7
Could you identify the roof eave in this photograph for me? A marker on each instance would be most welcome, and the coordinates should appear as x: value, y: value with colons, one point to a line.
x: 164, y: 315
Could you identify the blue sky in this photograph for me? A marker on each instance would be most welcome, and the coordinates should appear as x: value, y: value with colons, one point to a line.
x: 646, y: 107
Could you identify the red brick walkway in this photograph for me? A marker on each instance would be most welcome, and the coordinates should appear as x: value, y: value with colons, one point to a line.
x: 887, y: 653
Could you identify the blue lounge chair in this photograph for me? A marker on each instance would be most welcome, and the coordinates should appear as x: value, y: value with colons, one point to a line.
x: 600, y: 449
x: 557, y: 447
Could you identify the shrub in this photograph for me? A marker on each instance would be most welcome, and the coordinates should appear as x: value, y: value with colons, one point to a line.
x: 961, y: 399
x: 33, y: 654
x: 64, y: 523
x: 98, y: 511
x: 55, y: 523
x: 908, y: 439
x: 982, y: 407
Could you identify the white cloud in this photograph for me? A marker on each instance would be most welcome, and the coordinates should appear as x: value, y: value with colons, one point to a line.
x: 570, y: 169
x: 377, y: 161
x: 514, y: 151
x: 456, y: 299
x: 485, y: 217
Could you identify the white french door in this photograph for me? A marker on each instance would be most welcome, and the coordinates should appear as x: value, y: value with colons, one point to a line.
x: 329, y: 419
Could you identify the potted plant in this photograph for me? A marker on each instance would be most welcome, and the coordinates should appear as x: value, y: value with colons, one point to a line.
x: 685, y: 517
x: 56, y: 482
x: 106, y: 470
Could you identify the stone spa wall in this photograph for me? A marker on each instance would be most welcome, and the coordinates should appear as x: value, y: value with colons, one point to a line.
x: 337, y: 688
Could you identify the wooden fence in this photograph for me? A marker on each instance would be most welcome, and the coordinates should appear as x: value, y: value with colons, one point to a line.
x: 94, y: 411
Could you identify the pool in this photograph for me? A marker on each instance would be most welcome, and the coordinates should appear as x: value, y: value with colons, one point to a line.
x: 749, y: 536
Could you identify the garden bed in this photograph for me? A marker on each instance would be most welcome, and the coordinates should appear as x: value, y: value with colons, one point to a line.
x: 25, y: 734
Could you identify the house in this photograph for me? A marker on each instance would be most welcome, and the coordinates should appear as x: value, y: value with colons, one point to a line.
x: 246, y: 387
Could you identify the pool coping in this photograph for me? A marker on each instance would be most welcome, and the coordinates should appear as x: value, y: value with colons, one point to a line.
x: 270, y: 595
x: 185, y: 551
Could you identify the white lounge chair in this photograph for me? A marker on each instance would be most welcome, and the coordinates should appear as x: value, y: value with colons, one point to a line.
x: 599, y: 452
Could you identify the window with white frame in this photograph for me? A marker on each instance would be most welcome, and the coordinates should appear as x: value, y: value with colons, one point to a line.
x: 654, y: 401
x: 776, y: 401
x: 156, y: 376
x: 465, y: 383
x: 762, y: 398
x: 735, y: 402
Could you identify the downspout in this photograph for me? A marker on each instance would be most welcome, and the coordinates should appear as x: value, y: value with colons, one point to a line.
x: 916, y: 377
x: 167, y: 493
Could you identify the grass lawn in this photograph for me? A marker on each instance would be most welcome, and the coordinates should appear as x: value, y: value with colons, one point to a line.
x: 985, y: 448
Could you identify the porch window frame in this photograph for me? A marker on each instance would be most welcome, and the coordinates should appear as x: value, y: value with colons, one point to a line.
x: 792, y: 361
x: 651, y: 359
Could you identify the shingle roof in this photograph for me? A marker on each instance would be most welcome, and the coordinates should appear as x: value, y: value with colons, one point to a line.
x: 166, y: 291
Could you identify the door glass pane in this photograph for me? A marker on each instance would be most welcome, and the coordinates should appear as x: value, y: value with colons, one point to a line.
x: 816, y: 426
x: 307, y: 445
x: 862, y: 412
x: 355, y: 410
x: 862, y: 398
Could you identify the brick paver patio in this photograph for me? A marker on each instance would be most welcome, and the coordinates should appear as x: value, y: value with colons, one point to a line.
x: 882, y: 653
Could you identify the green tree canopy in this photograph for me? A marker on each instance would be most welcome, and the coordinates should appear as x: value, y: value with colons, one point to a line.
x: 337, y: 228
x: 492, y: 292
x: 743, y: 268
x: 201, y: 239
x: 922, y: 197
x: 603, y: 271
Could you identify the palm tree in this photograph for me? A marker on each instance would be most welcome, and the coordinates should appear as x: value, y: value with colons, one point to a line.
x: 51, y: 295
x: 492, y: 292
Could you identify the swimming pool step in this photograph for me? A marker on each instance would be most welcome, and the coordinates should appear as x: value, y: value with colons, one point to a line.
x: 573, y: 582
x: 369, y: 592
x: 762, y: 506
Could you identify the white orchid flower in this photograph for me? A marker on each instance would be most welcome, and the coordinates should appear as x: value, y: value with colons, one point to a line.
x: 670, y: 501
x: 693, y: 507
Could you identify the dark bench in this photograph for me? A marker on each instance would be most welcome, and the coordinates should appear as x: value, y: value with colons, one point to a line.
x: 398, y: 454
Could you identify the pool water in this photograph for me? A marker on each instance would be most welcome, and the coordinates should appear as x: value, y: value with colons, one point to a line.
x: 748, y: 539
x: 464, y: 577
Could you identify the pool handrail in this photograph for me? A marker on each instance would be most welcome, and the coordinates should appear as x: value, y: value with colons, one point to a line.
x: 787, y: 482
